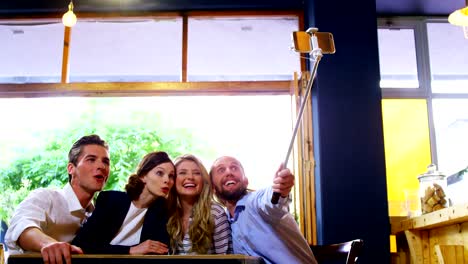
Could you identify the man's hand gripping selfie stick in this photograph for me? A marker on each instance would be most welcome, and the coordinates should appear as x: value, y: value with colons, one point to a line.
x: 315, y: 56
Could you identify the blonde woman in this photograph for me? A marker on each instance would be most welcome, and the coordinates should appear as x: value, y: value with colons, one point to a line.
x: 197, y: 224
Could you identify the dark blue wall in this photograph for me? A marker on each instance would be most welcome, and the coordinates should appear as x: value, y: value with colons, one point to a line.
x: 348, y: 135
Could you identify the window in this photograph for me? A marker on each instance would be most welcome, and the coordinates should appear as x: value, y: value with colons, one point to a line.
x: 207, y: 126
x: 394, y: 73
x: 125, y: 75
x: 451, y: 127
x: 240, y: 49
x: 448, y: 63
x: 407, y: 150
x: 437, y: 108
x: 126, y: 50
x: 26, y: 57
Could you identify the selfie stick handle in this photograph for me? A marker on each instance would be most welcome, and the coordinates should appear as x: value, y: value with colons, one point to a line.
x: 316, y: 54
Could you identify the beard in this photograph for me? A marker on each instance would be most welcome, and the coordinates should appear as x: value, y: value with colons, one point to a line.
x: 234, y: 195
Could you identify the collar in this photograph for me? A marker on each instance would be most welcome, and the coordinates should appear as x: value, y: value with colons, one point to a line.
x: 242, y: 201
x: 72, y: 200
x: 240, y: 206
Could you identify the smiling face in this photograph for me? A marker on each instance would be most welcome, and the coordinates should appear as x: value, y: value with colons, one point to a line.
x: 189, y: 180
x: 159, y: 180
x: 228, y: 179
x: 91, y: 171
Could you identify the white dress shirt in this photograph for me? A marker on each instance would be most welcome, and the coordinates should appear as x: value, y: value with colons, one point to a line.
x: 58, y: 213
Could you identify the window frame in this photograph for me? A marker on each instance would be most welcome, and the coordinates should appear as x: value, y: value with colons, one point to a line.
x: 306, y: 213
x: 150, y: 88
x: 419, y: 25
x: 421, y: 57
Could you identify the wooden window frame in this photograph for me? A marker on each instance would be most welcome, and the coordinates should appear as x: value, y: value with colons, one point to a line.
x: 304, y: 191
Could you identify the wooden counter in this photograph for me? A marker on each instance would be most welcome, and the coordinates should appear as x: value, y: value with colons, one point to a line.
x: 36, y: 258
x: 447, y: 226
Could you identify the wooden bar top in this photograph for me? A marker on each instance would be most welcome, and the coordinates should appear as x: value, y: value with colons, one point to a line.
x: 447, y: 216
x: 36, y: 258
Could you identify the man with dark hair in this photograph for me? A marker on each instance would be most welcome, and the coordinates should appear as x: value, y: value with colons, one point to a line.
x: 260, y: 228
x: 47, y: 220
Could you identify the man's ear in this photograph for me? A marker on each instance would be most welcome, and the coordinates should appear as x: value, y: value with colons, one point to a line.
x: 70, y: 168
x: 246, y: 181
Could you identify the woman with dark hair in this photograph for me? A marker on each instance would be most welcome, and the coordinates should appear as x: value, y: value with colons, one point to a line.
x: 132, y: 222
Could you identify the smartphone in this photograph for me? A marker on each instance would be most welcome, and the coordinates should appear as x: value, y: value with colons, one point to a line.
x: 302, y: 42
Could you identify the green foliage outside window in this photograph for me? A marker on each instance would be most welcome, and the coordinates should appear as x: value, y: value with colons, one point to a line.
x: 129, y: 139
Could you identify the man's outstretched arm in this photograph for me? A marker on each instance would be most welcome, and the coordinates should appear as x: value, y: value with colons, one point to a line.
x: 52, y: 251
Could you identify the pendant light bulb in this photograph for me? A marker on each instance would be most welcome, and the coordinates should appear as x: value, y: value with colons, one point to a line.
x: 459, y: 17
x: 69, y: 18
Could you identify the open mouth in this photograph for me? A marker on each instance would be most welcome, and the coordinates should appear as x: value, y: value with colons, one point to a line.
x: 189, y: 185
x: 99, y: 177
x: 229, y: 183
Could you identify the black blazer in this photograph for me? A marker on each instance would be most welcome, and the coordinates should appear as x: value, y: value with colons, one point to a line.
x: 111, y: 208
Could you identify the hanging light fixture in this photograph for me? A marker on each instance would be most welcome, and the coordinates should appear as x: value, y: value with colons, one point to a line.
x: 460, y: 18
x: 69, y: 18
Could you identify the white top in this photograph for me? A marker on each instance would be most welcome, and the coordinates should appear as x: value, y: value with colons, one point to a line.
x: 58, y: 213
x: 130, y: 231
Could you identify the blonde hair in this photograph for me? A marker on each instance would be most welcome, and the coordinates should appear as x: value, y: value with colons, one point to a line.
x: 202, y: 228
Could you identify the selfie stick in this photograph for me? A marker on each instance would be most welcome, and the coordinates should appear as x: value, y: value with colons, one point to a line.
x: 315, y: 56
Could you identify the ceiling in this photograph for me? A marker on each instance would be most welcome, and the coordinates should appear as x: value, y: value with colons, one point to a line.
x: 418, y: 7
x: 384, y: 7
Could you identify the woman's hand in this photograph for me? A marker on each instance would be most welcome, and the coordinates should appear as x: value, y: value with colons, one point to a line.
x: 149, y: 247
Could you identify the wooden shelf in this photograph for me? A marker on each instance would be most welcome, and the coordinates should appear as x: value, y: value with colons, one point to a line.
x: 425, y: 236
x: 447, y: 216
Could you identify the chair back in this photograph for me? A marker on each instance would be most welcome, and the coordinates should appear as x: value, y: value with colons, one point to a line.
x: 346, y: 251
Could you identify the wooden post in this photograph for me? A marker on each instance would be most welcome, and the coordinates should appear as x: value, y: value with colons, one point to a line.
x: 65, y: 56
x: 184, y: 47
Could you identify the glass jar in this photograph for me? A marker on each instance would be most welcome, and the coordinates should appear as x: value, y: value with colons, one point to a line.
x: 432, y: 190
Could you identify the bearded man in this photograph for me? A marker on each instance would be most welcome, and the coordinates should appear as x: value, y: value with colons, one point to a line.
x: 260, y: 228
